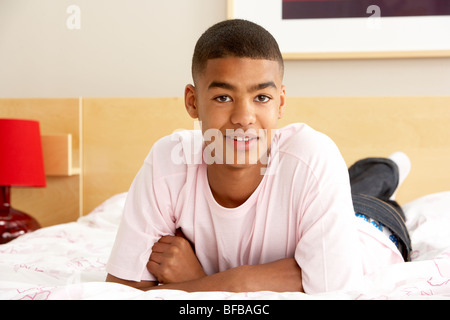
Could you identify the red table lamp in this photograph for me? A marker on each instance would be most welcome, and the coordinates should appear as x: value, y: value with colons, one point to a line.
x: 22, y: 165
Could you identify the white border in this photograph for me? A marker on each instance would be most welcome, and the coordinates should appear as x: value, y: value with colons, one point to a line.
x: 345, y: 35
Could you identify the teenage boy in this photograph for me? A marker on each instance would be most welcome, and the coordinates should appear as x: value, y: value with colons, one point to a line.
x: 254, y: 207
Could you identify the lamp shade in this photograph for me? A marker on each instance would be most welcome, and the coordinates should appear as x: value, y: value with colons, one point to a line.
x: 21, y: 160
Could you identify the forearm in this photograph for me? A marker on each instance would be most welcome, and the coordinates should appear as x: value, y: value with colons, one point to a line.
x: 279, y: 276
x: 142, y: 285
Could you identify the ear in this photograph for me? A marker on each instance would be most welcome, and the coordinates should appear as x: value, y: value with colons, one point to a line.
x: 190, y: 101
x: 282, y: 102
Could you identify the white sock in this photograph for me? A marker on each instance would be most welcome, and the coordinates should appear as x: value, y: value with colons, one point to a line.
x: 404, y: 167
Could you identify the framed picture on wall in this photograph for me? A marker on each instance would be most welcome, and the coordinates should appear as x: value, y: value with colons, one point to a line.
x: 352, y: 29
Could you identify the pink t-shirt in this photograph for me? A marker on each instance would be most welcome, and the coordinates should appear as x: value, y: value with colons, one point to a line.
x: 302, y: 208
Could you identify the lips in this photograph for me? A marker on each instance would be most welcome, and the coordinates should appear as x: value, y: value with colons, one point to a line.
x: 243, y: 139
x: 242, y: 142
x: 238, y: 139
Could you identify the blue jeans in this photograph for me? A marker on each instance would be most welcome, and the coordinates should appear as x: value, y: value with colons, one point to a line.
x: 373, y: 181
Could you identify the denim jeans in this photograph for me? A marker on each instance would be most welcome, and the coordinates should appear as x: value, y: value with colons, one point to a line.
x: 373, y: 181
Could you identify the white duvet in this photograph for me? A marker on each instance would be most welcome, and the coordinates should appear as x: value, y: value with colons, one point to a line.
x: 67, y: 261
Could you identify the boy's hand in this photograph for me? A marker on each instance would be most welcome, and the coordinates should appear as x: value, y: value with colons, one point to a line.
x: 173, y: 260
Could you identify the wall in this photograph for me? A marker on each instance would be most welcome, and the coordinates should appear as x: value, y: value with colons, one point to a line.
x: 59, y: 201
x: 112, y: 136
x: 143, y: 48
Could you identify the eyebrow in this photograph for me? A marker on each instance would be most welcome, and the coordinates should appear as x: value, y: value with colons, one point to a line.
x: 228, y: 86
x: 223, y: 85
x: 263, y: 86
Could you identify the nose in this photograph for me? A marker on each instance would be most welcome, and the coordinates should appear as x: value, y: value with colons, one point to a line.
x: 243, y: 114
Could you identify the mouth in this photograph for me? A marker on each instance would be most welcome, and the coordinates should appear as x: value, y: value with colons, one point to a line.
x: 243, y: 139
x: 242, y: 142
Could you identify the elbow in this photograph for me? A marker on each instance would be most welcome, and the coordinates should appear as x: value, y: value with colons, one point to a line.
x: 141, y: 285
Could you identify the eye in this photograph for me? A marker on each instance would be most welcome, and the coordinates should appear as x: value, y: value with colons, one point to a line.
x: 262, y: 98
x: 222, y: 99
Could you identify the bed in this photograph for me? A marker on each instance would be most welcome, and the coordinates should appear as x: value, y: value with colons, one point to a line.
x: 79, y: 214
x: 67, y: 261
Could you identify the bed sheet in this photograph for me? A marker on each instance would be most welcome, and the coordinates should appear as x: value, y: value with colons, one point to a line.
x: 68, y: 261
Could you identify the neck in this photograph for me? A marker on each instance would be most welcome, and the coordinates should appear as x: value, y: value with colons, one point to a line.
x: 231, y: 187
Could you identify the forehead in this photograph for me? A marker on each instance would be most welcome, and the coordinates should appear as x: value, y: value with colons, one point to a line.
x: 237, y: 71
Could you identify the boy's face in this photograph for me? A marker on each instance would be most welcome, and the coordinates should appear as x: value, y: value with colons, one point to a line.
x: 238, y: 102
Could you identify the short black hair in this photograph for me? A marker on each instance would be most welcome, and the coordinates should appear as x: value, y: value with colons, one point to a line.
x: 235, y: 38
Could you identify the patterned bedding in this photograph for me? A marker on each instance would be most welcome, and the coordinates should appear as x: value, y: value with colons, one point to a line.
x: 67, y: 261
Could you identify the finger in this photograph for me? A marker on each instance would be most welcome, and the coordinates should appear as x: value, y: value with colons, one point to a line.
x: 156, y: 257
x: 153, y: 268
x: 179, y: 233
x: 166, y: 239
x: 160, y: 247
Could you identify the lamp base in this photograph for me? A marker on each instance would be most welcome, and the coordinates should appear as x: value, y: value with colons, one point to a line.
x: 13, y: 223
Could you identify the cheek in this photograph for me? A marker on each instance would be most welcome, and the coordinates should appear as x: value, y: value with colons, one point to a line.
x: 204, y: 119
x: 269, y: 118
x: 212, y: 120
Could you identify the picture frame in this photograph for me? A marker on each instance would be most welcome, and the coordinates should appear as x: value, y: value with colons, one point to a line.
x: 371, y: 37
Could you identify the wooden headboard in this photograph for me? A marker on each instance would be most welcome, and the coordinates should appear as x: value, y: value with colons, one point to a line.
x: 112, y: 136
